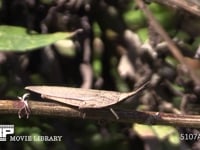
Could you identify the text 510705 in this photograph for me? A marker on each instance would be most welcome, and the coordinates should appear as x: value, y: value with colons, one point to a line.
x: 189, y: 136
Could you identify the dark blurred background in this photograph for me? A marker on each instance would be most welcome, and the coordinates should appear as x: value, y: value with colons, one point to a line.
x: 117, y: 50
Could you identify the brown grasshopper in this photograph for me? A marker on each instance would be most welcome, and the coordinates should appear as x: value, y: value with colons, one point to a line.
x: 84, y: 98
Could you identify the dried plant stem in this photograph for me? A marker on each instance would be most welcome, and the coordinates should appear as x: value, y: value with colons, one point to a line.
x: 50, y: 109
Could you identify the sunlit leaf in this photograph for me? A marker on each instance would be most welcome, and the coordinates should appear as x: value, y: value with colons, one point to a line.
x: 163, y: 133
x: 19, y: 39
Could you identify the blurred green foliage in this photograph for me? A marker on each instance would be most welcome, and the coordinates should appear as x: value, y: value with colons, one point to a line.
x: 18, y: 39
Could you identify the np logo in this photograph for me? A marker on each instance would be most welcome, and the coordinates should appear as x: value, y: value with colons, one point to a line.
x: 5, y: 130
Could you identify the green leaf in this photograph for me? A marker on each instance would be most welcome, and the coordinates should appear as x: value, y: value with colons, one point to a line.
x: 164, y: 133
x: 17, y: 39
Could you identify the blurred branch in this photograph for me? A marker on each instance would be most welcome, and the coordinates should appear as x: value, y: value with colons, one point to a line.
x: 171, y: 45
x: 192, y: 6
x: 85, y: 66
x: 50, y: 109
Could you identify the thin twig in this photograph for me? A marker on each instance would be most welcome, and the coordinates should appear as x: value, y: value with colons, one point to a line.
x: 188, y: 5
x: 85, y: 67
x: 172, y: 47
x: 51, y: 109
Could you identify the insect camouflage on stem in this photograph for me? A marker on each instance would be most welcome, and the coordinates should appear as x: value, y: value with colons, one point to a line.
x: 83, y: 98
